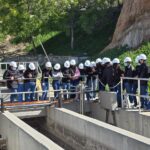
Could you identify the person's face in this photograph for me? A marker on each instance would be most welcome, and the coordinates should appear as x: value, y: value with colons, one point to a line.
x: 48, y: 68
x: 141, y: 61
x: 13, y: 68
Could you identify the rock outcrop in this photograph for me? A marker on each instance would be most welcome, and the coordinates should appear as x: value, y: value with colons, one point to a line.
x: 133, y: 26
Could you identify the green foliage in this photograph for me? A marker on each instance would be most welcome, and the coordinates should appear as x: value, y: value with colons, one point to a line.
x: 24, y: 18
x: 123, y: 52
x: 2, y: 37
x: 84, y: 43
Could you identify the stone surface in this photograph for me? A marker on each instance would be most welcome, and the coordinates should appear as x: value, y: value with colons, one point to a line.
x: 21, y: 136
x: 85, y: 133
x: 133, y: 26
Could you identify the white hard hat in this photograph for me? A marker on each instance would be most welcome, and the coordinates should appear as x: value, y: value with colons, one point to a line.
x: 21, y: 67
x: 87, y: 63
x: 106, y: 60
x: 57, y: 67
x: 116, y: 61
x: 93, y: 64
x: 81, y: 66
x: 137, y: 59
x: 127, y: 59
x: 142, y: 56
x: 67, y: 64
x: 48, y: 64
x: 13, y: 64
x: 98, y: 60
x: 73, y: 62
x: 32, y: 66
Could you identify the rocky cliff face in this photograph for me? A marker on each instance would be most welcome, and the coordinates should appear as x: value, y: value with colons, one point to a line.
x: 133, y: 26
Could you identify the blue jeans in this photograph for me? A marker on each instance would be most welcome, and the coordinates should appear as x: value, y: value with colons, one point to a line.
x: 74, y: 84
x: 20, y: 89
x: 89, y: 87
x: 66, y: 86
x: 13, y: 96
x: 101, y: 87
x: 56, y: 86
x: 117, y: 89
x: 143, y: 91
x: 134, y: 92
x: 129, y: 90
x: 30, y: 87
x: 45, y: 88
x: 94, y: 81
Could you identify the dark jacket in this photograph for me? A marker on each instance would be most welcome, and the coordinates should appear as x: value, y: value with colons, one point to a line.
x: 66, y: 75
x: 89, y: 73
x: 143, y: 73
x: 7, y: 76
x: 108, y: 76
x: 33, y: 75
x: 99, y: 71
x: 135, y: 74
x: 128, y: 73
x: 117, y: 74
x: 46, y: 74
x: 82, y: 74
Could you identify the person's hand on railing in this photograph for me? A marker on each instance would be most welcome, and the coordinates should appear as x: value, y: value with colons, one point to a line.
x: 12, y: 78
x: 30, y: 75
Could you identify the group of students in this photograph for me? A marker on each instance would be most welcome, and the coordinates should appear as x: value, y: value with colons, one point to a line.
x: 95, y: 74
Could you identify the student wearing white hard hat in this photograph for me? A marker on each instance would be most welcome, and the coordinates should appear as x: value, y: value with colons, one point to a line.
x: 21, y: 88
x: 118, y: 73
x: 89, y: 73
x: 135, y: 83
x: 143, y: 73
x: 82, y: 72
x: 129, y: 72
x: 108, y: 73
x: 46, y: 74
x: 75, y: 75
x: 99, y: 72
x: 57, y: 76
x: 94, y: 79
x: 11, y: 75
x: 30, y: 82
x: 66, y: 71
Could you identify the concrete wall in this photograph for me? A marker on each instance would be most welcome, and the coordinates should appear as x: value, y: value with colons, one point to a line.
x: 130, y: 120
x: 84, y: 133
x: 20, y: 136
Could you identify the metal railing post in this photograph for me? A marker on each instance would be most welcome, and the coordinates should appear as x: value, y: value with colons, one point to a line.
x: 81, y: 98
x: 48, y: 93
x: 139, y: 95
x: 2, y: 105
x: 121, y: 92
x: 60, y: 100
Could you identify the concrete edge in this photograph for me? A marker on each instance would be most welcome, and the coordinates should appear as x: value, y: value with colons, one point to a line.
x: 40, y: 138
x: 118, y: 130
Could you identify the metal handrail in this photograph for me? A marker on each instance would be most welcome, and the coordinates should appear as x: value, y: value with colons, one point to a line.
x: 138, y: 89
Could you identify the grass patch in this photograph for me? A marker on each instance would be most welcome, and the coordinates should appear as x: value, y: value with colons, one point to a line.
x: 123, y: 52
x: 2, y: 37
x: 58, y: 43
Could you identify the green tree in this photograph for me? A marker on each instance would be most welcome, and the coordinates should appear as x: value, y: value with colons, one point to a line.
x: 24, y: 18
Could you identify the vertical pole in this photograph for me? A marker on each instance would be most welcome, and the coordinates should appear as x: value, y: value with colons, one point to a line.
x: 60, y: 100
x: 121, y: 92
x: 139, y: 95
x: 81, y: 99
x: 49, y: 96
x: 2, y: 105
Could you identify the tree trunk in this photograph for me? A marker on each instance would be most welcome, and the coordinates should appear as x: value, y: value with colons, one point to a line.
x: 34, y: 46
x: 72, y: 36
